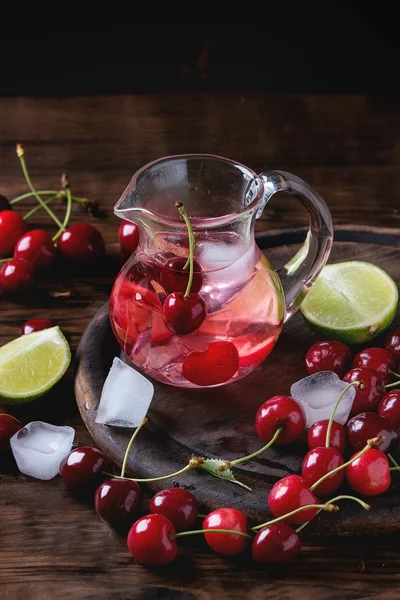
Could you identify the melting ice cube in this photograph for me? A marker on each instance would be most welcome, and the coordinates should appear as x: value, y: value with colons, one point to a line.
x: 226, y: 263
x: 125, y: 398
x: 317, y: 395
x: 39, y: 448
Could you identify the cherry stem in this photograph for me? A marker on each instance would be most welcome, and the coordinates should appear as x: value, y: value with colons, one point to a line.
x: 38, y: 207
x: 227, y: 464
x: 197, y: 531
x: 182, y: 211
x: 201, y: 516
x: 393, y: 461
x: 329, y: 429
x: 57, y: 193
x: 192, y: 464
x: 328, y: 506
x: 392, y: 385
x: 129, y: 446
x: 372, y: 443
x: 394, y: 373
x: 67, y: 215
x: 342, y: 497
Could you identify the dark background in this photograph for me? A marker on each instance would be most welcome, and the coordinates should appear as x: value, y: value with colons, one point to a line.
x: 283, y: 46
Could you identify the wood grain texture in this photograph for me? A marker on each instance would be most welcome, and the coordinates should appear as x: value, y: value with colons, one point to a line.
x: 52, y: 545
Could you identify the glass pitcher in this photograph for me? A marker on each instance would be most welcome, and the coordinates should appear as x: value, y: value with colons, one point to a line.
x: 229, y: 320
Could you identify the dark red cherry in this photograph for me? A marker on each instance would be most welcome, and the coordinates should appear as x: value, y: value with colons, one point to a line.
x: 369, y: 474
x: 317, y: 435
x: 368, y: 425
x: 288, y: 494
x: 389, y: 408
x: 37, y: 247
x: 276, y: 543
x: 12, y: 227
x: 369, y: 392
x: 151, y: 541
x: 328, y: 356
x: 17, y: 276
x: 280, y: 411
x: 392, y: 343
x: 128, y: 237
x: 4, y: 203
x: 82, y: 466
x: 8, y: 426
x: 174, y: 278
x: 183, y: 315
x: 117, y: 501
x: 378, y: 359
x: 35, y: 325
x: 178, y: 505
x: 82, y: 243
x: 317, y: 463
x: 227, y: 544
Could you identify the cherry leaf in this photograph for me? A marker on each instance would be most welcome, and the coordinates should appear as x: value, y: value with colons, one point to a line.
x: 211, y: 466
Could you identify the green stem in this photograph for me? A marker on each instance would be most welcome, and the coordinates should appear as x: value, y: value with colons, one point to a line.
x: 197, y: 531
x: 394, y: 373
x: 30, y: 194
x: 392, y: 385
x: 4, y: 260
x: 201, y: 516
x: 129, y: 446
x: 67, y: 215
x: 342, y: 497
x: 329, y: 429
x: 150, y: 479
x: 231, y: 463
x: 183, y: 212
x: 38, y: 207
x: 328, y: 506
x: 392, y: 460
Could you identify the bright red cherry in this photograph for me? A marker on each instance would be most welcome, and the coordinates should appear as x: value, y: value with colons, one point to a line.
x: 317, y: 463
x: 117, y: 501
x: 16, y: 276
x: 8, y: 426
x: 12, y: 227
x: 369, y: 392
x: 369, y: 474
x: 151, y: 541
x: 37, y: 247
x: 392, y: 343
x: 216, y: 365
x: 183, y: 315
x: 280, y: 411
x: 35, y: 325
x: 128, y: 237
x: 4, y: 203
x: 291, y: 493
x: 317, y: 435
x: 389, y: 408
x: 174, y: 278
x: 82, y: 466
x: 368, y: 425
x: 82, y: 243
x: 178, y: 505
x: 378, y: 359
x: 227, y: 544
x: 328, y: 356
x: 276, y: 543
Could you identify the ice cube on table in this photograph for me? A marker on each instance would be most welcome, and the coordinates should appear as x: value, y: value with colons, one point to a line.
x: 125, y: 398
x: 39, y: 447
x: 317, y: 395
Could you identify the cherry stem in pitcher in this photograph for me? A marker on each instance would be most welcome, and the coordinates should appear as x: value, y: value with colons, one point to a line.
x: 338, y: 401
x: 182, y: 211
x: 129, y: 446
x: 227, y: 464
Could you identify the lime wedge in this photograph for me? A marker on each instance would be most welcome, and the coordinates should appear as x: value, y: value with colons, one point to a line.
x: 32, y: 364
x: 351, y: 301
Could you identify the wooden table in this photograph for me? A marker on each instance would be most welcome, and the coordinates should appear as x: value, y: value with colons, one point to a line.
x: 347, y: 147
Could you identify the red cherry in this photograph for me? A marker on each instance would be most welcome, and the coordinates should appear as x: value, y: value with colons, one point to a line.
x: 389, y: 408
x: 35, y: 325
x: 82, y: 243
x: 183, y: 315
x: 317, y: 463
x: 16, y: 276
x: 174, y: 278
x: 369, y: 474
x: 128, y: 237
x: 82, y: 466
x: 117, y: 501
x: 291, y: 493
x: 317, y: 435
x: 276, y: 543
x: 392, y: 343
x: 178, y: 505
x: 328, y: 356
x: 151, y: 542
x: 378, y: 359
x: 4, y: 203
x: 280, y: 411
x: 227, y: 544
x: 216, y: 365
x: 37, y: 247
x: 12, y: 227
x: 368, y: 425
x: 370, y: 390
x: 8, y: 426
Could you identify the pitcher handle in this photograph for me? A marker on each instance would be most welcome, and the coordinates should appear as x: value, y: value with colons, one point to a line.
x: 298, y: 275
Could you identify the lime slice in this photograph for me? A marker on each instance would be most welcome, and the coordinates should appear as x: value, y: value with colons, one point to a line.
x: 351, y: 301
x: 32, y: 364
